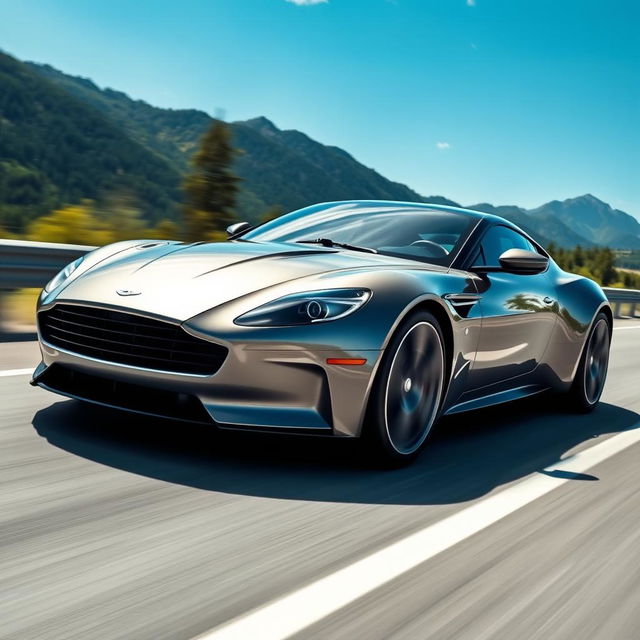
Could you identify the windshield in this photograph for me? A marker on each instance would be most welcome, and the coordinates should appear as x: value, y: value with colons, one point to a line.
x: 428, y: 235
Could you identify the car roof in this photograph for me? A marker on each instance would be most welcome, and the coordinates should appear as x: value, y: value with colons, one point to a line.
x: 427, y: 206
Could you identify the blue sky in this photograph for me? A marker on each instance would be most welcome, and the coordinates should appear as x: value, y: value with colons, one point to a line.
x: 505, y: 101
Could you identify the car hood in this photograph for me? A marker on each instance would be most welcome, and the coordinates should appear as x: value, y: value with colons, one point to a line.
x: 179, y: 281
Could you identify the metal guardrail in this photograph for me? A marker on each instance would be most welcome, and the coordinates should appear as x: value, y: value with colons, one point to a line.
x: 618, y: 297
x: 26, y: 264
x: 32, y: 264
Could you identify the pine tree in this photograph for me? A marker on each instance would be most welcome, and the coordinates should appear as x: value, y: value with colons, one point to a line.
x: 211, y: 187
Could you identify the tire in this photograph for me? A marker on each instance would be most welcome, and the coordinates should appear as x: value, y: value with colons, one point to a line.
x: 591, y: 374
x: 407, y: 392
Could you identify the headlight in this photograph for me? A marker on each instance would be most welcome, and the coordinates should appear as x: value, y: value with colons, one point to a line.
x: 57, y: 280
x: 306, y: 308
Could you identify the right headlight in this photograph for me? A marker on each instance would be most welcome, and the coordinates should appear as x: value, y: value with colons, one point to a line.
x: 63, y: 275
x: 308, y: 307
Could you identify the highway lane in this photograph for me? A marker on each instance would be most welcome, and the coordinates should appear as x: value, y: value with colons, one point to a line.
x: 115, y: 526
x: 18, y: 355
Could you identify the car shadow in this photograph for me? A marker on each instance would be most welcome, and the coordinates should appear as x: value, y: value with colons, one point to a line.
x: 467, y: 456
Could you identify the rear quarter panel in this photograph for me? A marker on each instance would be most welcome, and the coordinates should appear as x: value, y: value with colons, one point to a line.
x: 579, y: 299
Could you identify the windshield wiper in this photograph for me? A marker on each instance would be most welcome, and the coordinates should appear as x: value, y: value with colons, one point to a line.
x: 327, y: 242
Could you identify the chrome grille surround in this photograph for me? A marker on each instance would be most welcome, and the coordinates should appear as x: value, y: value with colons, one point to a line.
x: 129, y: 339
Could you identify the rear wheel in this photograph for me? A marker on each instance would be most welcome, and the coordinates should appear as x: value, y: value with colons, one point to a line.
x: 407, y: 391
x: 588, y: 384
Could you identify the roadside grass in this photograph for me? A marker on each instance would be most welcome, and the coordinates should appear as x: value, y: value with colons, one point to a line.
x: 21, y: 307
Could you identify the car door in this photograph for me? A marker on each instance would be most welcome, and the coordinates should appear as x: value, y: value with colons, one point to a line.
x: 517, y: 313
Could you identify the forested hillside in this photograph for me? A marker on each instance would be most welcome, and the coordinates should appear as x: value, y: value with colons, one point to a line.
x: 278, y: 168
x: 54, y: 149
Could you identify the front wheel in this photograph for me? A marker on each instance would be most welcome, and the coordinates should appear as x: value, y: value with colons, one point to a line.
x: 588, y: 384
x: 407, y: 391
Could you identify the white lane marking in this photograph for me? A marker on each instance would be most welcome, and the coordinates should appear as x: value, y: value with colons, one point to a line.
x: 635, y: 326
x: 296, y: 611
x: 16, y: 372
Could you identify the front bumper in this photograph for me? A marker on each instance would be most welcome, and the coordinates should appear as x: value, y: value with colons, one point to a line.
x: 256, y: 388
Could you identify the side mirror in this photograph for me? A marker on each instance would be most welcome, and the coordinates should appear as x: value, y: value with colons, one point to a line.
x: 523, y: 261
x: 237, y: 227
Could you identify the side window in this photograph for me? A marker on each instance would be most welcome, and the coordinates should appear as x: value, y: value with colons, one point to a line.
x: 497, y: 240
x: 479, y: 258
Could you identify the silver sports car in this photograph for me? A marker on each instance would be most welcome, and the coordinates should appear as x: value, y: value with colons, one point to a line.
x: 342, y: 319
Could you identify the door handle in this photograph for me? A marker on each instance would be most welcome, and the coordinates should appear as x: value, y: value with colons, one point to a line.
x: 548, y: 300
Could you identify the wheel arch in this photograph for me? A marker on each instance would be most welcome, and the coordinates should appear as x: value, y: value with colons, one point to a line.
x: 580, y: 300
x: 439, y: 312
x: 604, y: 308
x: 437, y: 307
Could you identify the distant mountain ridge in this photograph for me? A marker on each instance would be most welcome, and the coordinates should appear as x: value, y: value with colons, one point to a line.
x: 284, y: 168
x: 594, y: 220
x: 112, y: 141
x: 584, y: 220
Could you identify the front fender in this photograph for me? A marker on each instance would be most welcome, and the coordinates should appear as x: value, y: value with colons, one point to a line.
x: 394, y: 293
x: 365, y: 333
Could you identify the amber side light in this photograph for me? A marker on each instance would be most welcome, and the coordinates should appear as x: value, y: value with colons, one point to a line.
x: 348, y: 361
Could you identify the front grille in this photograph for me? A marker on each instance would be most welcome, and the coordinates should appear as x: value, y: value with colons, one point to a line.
x: 126, y: 338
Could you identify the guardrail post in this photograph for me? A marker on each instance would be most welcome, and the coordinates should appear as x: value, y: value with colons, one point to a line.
x: 632, y: 312
x: 616, y: 309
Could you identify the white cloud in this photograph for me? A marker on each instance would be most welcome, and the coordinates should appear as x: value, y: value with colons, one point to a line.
x: 471, y: 3
x: 305, y: 3
x: 443, y: 145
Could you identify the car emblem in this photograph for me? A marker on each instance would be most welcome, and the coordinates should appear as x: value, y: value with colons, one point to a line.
x: 128, y: 292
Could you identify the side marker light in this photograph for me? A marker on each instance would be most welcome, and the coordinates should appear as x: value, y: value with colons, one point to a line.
x: 347, y: 361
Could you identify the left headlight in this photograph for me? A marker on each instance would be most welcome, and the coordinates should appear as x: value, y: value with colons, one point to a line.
x: 63, y: 275
x: 306, y: 308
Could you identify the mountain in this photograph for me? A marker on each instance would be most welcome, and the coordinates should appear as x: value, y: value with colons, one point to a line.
x: 517, y: 216
x: 585, y: 221
x: 594, y: 220
x: 63, y: 139
x: 171, y: 133
x: 56, y: 149
x: 338, y: 176
x: 545, y: 228
x: 283, y: 168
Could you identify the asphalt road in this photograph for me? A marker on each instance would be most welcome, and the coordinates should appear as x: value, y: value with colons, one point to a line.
x: 114, y: 526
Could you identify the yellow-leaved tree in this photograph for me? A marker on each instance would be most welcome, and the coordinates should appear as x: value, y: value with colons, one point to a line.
x: 75, y: 224
x: 86, y: 224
